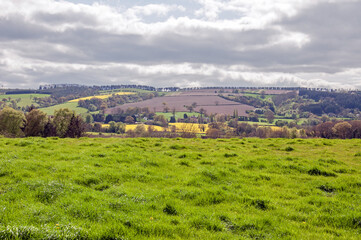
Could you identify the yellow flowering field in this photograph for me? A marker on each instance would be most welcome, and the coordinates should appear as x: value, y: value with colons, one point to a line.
x: 102, y: 96
x: 190, y: 127
x: 133, y: 126
x: 180, y: 127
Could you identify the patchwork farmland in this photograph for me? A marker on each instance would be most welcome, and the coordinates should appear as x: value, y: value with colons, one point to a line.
x: 206, y: 99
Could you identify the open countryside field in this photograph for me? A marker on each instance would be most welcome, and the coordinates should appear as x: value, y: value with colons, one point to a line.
x: 212, y: 104
x: 23, y: 100
x: 168, y: 115
x: 180, y: 188
x: 71, y: 105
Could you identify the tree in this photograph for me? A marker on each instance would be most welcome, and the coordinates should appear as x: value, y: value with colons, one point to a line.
x: 35, y: 123
x: 165, y: 107
x: 160, y: 120
x: 89, y: 119
x: 12, y: 121
x: 325, y: 130
x: 263, y: 94
x: 129, y: 120
x: 172, y: 119
x: 194, y: 105
x: 62, y: 118
x: 116, y: 127
x: 270, y: 116
x: 140, y: 129
x: 189, y: 108
x: 356, y: 128
x: 49, y: 130
x: 76, y: 127
x: 343, y: 130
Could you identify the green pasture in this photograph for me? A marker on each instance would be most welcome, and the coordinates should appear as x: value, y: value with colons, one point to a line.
x: 71, y: 105
x: 97, y: 188
x: 23, y: 100
x: 168, y: 115
x: 267, y: 97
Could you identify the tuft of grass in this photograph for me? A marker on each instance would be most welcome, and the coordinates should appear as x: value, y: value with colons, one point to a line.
x: 170, y: 210
x: 317, y: 172
x: 177, y: 147
x: 228, y: 155
x: 289, y: 149
x: 326, y: 188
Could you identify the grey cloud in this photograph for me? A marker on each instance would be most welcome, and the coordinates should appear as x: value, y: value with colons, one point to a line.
x: 334, y: 32
x: 15, y: 27
x: 66, y: 17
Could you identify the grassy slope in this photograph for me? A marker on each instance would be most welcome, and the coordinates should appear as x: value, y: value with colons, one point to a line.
x: 26, y: 99
x: 70, y: 105
x: 180, y: 188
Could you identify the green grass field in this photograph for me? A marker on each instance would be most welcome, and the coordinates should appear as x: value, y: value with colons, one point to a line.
x: 180, y: 188
x: 71, y: 105
x: 178, y: 114
x: 25, y: 99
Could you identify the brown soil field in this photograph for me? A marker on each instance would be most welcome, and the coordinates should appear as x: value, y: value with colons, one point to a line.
x: 212, y: 104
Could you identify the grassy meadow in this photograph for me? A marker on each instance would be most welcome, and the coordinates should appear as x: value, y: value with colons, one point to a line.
x: 23, y: 100
x: 168, y: 115
x: 144, y: 188
x: 71, y: 105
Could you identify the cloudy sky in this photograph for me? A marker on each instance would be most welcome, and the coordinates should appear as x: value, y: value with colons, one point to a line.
x: 184, y: 43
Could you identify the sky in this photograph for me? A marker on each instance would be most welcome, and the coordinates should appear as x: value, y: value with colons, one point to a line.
x: 182, y: 43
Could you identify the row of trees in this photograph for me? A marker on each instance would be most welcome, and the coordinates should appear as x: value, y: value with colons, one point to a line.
x: 351, y: 129
x: 65, y: 123
x: 341, y: 129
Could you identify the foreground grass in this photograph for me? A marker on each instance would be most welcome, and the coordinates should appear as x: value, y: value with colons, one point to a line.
x: 179, y: 188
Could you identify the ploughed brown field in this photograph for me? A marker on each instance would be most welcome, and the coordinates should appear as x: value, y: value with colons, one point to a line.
x: 207, y: 100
